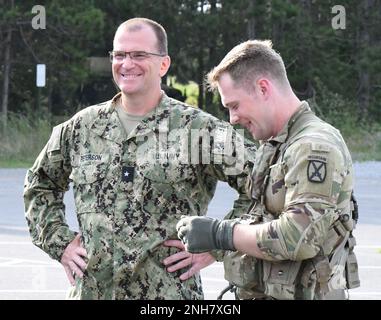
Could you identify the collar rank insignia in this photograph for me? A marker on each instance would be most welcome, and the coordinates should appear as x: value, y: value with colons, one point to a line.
x: 316, y: 171
x: 128, y: 174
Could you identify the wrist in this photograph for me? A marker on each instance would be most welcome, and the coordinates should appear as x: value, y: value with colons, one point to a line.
x: 224, y: 235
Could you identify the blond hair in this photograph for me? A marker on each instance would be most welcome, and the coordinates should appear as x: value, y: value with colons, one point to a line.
x: 248, y: 61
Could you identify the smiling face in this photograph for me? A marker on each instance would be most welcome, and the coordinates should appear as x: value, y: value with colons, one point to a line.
x: 247, y: 107
x: 138, y: 77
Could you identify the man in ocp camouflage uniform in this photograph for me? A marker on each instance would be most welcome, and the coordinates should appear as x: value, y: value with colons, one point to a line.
x: 296, y: 242
x: 137, y: 162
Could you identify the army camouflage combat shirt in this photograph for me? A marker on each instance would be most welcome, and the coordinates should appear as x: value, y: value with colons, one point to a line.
x: 309, y: 170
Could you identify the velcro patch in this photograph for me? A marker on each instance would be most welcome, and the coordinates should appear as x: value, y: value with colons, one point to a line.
x: 128, y: 174
x: 320, y: 147
x: 90, y: 157
x: 316, y: 171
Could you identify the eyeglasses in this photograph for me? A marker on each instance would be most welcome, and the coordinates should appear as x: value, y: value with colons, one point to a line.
x: 119, y: 56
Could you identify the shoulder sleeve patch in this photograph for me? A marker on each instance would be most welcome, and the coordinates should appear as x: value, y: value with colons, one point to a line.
x: 55, y: 139
x: 54, y: 144
x: 309, y: 173
x: 316, y: 171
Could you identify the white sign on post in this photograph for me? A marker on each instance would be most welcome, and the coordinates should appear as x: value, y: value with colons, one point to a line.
x: 41, y: 75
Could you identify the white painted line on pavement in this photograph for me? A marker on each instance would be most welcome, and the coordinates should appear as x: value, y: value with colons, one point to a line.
x: 15, y: 228
x: 369, y: 267
x: 6, y: 243
x: 374, y: 293
x: 368, y: 247
x: 33, y: 291
x: 30, y: 266
x: 11, y: 261
x: 213, y: 279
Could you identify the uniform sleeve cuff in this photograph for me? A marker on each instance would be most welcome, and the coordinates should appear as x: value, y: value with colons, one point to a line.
x: 59, y: 242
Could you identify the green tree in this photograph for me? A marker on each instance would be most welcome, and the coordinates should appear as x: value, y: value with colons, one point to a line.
x: 63, y: 46
x: 200, y: 33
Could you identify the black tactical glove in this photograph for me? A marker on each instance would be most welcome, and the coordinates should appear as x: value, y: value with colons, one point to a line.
x: 201, y: 234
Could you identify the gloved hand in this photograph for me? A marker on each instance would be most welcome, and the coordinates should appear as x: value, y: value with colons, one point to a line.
x: 201, y: 234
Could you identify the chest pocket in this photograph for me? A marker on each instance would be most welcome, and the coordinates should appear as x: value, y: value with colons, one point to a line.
x: 88, y: 180
x: 276, y: 190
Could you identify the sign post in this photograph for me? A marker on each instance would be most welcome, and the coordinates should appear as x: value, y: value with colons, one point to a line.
x: 40, y: 82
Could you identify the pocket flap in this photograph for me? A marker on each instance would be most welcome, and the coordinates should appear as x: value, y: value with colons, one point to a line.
x: 90, y: 173
x: 284, y: 272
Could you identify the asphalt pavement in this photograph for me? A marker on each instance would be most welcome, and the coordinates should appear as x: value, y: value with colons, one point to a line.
x: 26, y: 272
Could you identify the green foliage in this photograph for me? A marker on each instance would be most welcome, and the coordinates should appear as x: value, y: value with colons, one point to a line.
x: 334, y: 108
x: 72, y: 27
x: 190, y: 91
x: 365, y: 145
x: 363, y: 136
x: 23, y: 139
x: 339, y: 70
